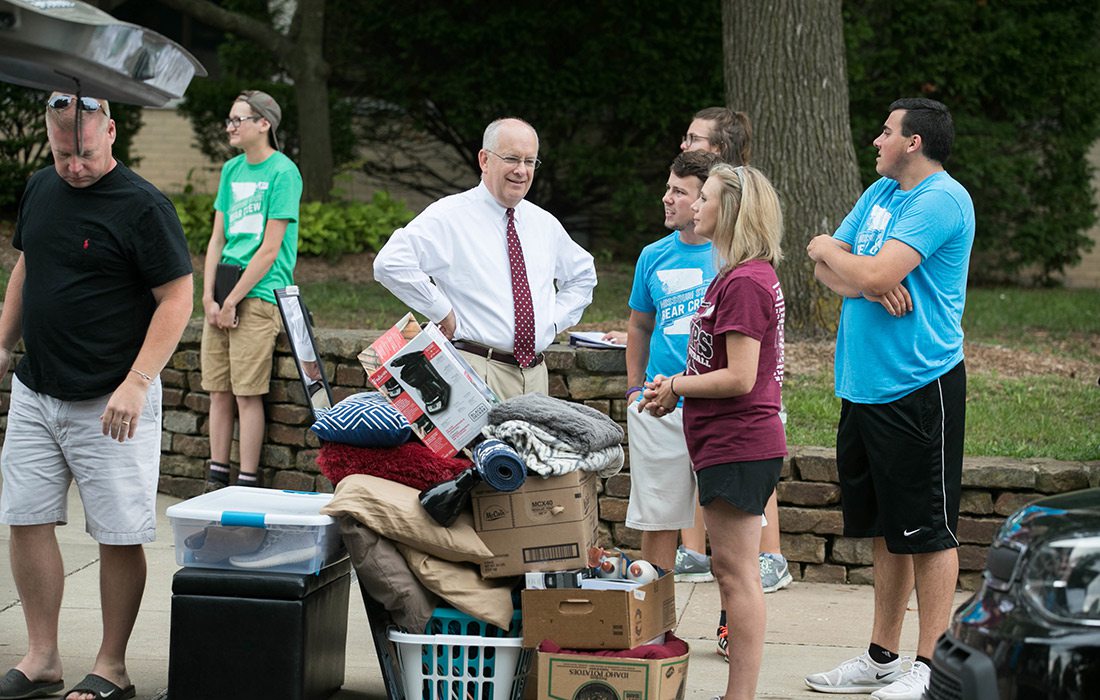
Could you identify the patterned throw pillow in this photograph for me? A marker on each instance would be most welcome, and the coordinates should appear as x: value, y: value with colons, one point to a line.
x: 364, y: 420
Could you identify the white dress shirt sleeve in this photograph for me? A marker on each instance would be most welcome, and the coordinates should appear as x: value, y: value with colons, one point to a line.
x: 575, y: 274
x: 404, y: 266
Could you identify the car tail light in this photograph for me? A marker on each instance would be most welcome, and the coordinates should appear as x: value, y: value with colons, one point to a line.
x: 1063, y: 579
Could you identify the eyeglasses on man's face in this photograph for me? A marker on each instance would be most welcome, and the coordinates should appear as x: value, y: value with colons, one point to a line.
x: 513, y: 161
x: 62, y: 102
x: 235, y: 122
x: 690, y: 139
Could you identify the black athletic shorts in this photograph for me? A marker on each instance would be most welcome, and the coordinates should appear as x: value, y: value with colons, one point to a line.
x: 746, y: 486
x: 900, y: 466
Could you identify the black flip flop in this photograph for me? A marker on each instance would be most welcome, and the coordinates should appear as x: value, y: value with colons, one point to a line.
x: 101, y: 688
x: 16, y: 686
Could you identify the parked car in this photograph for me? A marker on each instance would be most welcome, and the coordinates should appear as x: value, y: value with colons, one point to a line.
x: 1033, y: 628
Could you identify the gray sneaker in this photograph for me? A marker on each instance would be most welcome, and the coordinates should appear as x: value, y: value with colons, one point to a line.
x: 691, y: 566
x: 279, y: 548
x: 774, y: 572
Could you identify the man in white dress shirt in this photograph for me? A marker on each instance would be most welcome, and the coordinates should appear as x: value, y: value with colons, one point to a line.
x: 454, y: 264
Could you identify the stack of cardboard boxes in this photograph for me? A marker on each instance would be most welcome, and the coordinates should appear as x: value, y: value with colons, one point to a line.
x: 542, y: 531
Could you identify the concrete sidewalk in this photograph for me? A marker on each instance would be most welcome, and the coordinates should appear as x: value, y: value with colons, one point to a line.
x: 811, y: 626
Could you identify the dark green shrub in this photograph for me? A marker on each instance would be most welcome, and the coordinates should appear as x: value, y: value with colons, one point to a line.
x: 1022, y: 79
x: 325, y: 229
x: 331, y: 229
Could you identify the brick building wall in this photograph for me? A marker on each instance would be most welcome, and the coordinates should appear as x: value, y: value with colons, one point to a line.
x: 809, y: 495
x: 170, y: 156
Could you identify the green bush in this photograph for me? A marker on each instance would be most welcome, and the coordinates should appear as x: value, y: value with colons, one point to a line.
x: 1026, y: 110
x: 325, y: 229
x: 331, y: 229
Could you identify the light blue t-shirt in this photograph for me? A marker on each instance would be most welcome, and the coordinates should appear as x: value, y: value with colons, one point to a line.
x: 880, y: 358
x: 670, y: 280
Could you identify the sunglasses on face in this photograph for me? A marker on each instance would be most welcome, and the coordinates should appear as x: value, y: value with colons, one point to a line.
x: 62, y: 102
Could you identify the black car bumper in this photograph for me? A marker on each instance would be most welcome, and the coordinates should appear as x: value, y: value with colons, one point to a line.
x: 996, y: 650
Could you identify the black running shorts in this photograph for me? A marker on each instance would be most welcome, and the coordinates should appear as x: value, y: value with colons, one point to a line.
x: 746, y: 486
x: 900, y: 466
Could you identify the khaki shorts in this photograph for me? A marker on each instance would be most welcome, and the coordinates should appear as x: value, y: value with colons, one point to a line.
x: 49, y: 443
x: 662, y: 484
x: 239, y: 360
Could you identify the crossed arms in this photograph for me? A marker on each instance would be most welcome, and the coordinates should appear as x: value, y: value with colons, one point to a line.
x: 877, y: 277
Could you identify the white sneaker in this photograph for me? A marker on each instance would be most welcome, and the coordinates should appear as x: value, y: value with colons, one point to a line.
x: 858, y: 675
x: 910, y: 686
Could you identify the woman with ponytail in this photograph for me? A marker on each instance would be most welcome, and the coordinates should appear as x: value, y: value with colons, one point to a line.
x: 731, y: 391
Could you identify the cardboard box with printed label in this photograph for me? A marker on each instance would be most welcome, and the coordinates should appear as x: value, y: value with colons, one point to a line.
x: 577, y: 677
x: 429, y: 382
x: 599, y: 619
x: 545, y: 525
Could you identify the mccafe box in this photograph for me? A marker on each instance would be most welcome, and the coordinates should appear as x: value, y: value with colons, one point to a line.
x: 545, y: 525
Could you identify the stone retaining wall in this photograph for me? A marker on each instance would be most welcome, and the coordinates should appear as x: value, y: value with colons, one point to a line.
x: 809, y: 495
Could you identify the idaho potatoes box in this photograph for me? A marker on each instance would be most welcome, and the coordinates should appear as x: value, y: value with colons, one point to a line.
x: 425, y: 378
x: 577, y: 677
x: 545, y: 525
x: 599, y: 619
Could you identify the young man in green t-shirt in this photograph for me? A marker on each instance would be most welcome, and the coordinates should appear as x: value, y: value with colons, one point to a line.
x: 255, y: 228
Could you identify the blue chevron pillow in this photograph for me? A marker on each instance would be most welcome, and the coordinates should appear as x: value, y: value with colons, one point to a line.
x: 363, y: 420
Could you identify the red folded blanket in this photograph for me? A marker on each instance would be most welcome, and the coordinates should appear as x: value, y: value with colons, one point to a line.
x: 673, y: 647
x: 411, y: 464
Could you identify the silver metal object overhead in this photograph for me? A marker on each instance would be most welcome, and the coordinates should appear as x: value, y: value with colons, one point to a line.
x: 73, y: 47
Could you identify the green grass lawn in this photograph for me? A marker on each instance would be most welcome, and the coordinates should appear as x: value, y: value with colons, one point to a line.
x: 1027, y: 414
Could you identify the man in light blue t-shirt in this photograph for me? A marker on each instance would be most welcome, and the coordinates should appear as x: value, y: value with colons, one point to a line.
x: 670, y: 279
x: 900, y: 261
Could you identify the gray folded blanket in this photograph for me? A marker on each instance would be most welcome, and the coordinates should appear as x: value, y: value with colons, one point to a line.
x: 582, y: 427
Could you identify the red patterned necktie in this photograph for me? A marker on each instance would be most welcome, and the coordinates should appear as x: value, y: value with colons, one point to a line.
x: 524, y: 344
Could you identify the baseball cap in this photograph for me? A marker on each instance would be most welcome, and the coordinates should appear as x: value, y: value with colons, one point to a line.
x: 265, y: 106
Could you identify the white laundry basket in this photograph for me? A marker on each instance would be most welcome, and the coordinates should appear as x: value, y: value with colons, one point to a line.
x: 461, y: 667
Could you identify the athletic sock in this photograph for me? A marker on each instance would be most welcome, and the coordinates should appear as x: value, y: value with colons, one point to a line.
x: 218, y: 473
x: 881, y: 655
x: 246, y: 479
x: 721, y: 621
x: 925, y: 660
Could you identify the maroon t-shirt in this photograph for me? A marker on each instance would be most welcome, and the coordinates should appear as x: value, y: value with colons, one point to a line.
x: 749, y: 301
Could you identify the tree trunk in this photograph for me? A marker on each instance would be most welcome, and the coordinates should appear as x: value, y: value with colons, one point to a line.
x: 303, y: 56
x: 785, y: 67
x: 310, y: 73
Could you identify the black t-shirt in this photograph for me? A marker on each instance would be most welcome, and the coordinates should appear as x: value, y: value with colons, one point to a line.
x: 92, y: 256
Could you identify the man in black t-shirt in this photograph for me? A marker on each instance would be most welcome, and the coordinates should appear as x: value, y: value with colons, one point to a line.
x: 100, y: 296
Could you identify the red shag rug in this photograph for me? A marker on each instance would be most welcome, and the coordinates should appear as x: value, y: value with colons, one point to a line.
x: 411, y: 464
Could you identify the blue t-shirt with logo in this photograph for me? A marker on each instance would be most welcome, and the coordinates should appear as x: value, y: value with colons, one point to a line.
x: 670, y: 280
x: 880, y: 358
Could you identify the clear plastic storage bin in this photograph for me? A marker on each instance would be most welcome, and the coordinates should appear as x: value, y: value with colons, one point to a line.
x: 241, y: 527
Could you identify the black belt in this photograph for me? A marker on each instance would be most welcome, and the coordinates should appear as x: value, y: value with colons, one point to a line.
x: 493, y: 354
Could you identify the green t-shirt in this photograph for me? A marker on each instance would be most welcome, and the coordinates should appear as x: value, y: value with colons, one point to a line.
x: 248, y: 197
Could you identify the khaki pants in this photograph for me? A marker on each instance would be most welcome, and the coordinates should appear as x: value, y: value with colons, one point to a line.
x: 508, y: 380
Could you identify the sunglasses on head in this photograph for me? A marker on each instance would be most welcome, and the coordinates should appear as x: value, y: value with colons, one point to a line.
x: 62, y: 102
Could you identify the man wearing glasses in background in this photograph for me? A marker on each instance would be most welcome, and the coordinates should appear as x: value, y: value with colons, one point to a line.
x: 100, y: 295
x: 499, y: 274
